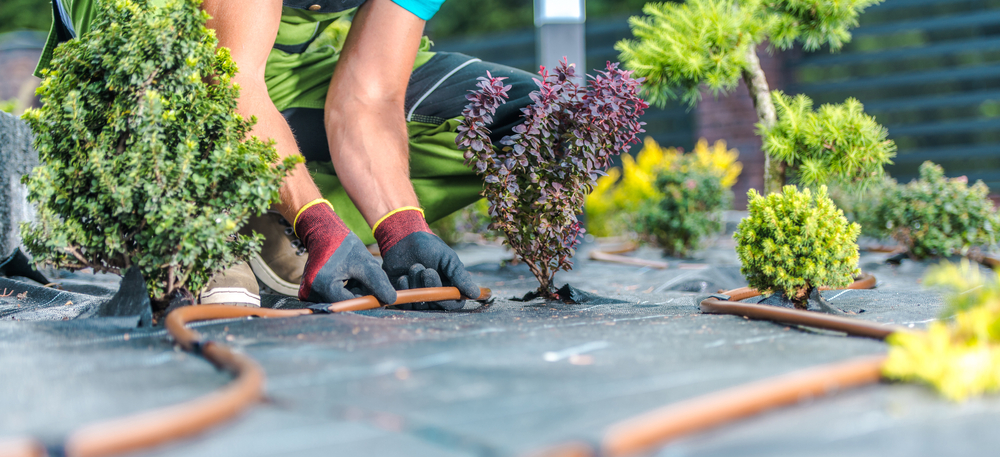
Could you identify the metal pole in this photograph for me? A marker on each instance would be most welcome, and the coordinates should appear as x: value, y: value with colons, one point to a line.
x: 559, y: 32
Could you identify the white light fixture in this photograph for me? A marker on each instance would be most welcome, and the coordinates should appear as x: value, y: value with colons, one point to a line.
x: 559, y: 12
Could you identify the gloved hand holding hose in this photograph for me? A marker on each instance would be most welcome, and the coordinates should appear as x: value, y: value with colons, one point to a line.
x: 336, y: 256
x: 413, y: 257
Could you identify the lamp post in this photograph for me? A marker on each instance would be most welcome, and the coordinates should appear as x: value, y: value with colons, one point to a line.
x: 559, y: 32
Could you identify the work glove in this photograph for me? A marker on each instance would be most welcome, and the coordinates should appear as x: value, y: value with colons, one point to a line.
x: 413, y: 258
x: 339, y: 266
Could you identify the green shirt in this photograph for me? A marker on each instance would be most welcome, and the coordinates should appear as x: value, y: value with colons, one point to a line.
x: 297, y: 77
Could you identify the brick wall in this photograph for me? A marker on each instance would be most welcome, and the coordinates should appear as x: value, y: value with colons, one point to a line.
x: 732, y: 118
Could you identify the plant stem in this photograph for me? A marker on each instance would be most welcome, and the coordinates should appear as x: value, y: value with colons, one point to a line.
x: 760, y: 93
x: 170, y: 280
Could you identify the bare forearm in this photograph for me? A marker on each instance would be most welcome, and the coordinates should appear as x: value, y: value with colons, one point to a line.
x: 298, y: 188
x: 369, y: 149
x: 248, y: 28
x: 364, y: 109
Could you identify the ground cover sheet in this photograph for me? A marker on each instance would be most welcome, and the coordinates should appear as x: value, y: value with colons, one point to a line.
x: 490, y: 380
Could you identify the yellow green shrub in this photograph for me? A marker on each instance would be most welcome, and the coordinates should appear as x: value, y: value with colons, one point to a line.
x: 960, y: 358
x: 624, y: 191
x: 795, y: 241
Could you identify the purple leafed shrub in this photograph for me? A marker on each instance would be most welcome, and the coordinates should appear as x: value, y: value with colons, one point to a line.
x: 537, y: 180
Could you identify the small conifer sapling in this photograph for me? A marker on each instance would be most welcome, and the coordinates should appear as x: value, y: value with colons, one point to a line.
x: 537, y: 180
x: 795, y: 241
x: 936, y: 216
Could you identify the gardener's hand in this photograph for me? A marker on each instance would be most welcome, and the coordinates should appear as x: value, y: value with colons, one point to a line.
x: 338, y: 260
x: 413, y: 257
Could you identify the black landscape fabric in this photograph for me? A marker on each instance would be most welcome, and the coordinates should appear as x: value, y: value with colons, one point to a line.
x: 497, y: 379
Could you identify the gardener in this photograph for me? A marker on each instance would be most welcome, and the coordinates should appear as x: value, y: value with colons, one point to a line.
x: 378, y: 136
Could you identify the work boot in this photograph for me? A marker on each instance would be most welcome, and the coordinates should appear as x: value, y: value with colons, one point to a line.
x: 282, y: 258
x: 232, y: 286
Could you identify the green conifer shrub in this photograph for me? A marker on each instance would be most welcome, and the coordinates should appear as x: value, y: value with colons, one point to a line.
x: 689, y: 210
x: 794, y: 242
x: 834, y: 144
x: 863, y: 208
x: 679, y: 47
x: 937, y: 216
x: 813, y: 23
x: 145, y: 161
x: 682, y: 46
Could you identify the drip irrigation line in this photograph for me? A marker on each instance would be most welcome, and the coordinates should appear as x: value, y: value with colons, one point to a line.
x: 629, y: 437
x: 856, y: 327
x: 613, y: 253
x: 158, y: 426
x: 865, y: 281
x: 883, y: 248
x: 727, y: 303
x: 648, y: 431
x: 619, y: 247
x: 617, y: 258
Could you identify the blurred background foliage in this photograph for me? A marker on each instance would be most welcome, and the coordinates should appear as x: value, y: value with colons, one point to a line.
x: 456, y: 17
x: 25, y: 15
x: 620, y: 196
x: 471, y: 18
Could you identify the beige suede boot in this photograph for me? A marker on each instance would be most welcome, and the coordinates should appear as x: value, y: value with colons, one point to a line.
x: 233, y: 286
x: 282, y: 258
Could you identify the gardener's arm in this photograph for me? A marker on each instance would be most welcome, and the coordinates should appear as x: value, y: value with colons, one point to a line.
x: 366, y: 129
x: 248, y: 28
x: 365, y: 122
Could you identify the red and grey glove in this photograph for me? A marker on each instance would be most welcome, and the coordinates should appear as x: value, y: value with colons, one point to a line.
x: 413, y: 257
x: 338, y: 261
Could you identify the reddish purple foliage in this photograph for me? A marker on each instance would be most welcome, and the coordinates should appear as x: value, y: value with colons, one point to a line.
x: 537, y: 181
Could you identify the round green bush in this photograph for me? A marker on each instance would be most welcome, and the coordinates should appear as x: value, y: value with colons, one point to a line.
x: 794, y: 242
x: 690, y: 210
x: 936, y: 216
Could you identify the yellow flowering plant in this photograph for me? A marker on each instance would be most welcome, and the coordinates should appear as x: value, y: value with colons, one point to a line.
x: 617, y: 197
x: 960, y: 358
x: 719, y: 161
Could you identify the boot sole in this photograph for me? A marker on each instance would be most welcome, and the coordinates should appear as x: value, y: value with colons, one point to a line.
x: 271, y: 279
x: 236, y: 296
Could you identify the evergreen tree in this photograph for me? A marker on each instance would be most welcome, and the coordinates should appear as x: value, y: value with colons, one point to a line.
x: 681, y: 47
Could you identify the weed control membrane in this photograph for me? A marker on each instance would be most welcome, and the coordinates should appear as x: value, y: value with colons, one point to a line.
x: 503, y: 378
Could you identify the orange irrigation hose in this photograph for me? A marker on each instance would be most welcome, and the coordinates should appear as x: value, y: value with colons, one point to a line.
x: 154, y: 427
x: 645, y: 432
x: 615, y: 258
x: 641, y: 433
x: 883, y: 248
x: 22, y: 447
x: 865, y: 281
x: 849, y: 326
x: 856, y: 327
x: 617, y: 248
